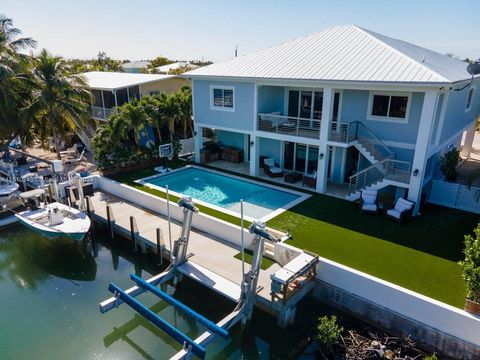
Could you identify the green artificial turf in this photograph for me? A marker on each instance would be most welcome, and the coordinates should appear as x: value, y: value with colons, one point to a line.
x: 266, y: 262
x: 420, y: 255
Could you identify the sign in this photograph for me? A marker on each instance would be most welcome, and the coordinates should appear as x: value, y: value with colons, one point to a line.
x: 165, y: 150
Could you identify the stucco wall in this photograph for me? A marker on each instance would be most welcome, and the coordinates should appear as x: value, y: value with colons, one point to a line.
x: 270, y: 148
x: 271, y: 99
x: 229, y: 138
x: 165, y: 86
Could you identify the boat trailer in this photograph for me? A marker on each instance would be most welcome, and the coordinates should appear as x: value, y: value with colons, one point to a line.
x: 179, y: 256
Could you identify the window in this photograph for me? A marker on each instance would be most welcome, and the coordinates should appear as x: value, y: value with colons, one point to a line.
x: 469, y: 99
x: 222, y: 98
x: 305, y: 104
x: 389, y: 106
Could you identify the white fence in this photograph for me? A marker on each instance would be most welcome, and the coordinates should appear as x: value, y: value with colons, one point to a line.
x: 455, y: 195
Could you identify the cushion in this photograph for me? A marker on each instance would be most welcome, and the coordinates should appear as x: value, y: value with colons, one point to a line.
x: 275, y: 170
x: 405, y: 203
x: 394, y: 213
x: 369, y: 198
x: 269, y: 162
x: 400, y: 207
x: 314, y: 174
x: 369, y: 207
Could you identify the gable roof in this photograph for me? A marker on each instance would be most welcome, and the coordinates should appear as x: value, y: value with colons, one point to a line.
x: 343, y: 53
x: 107, y: 80
x: 136, y: 64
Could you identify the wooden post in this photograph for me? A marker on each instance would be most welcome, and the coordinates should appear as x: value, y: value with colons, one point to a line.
x: 50, y: 194
x: 133, y: 235
x: 110, y: 221
x: 159, y: 247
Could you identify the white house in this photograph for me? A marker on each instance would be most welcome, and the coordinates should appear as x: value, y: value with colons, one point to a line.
x: 346, y: 108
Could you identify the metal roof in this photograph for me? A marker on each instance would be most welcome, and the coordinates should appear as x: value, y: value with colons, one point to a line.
x: 342, y: 53
x: 174, y: 66
x: 136, y: 64
x: 116, y: 80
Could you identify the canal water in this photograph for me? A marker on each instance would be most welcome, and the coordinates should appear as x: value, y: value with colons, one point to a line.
x: 49, y: 295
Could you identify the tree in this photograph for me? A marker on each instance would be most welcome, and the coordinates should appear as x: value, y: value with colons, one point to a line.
x: 184, y: 98
x: 60, y: 98
x: 134, y: 115
x: 448, y: 164
x: 471, y: 265
x: 328, y: 334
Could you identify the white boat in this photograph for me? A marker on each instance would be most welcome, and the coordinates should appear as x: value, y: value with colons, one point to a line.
x: 55, y: 219
x: 8, y: 193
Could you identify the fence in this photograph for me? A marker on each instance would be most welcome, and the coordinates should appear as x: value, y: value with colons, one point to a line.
x: 455, y: 195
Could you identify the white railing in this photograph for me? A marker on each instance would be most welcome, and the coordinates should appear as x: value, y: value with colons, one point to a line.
x: 387, y: 169
x: 99, y: 112
x: 289, y: 125
x: 346, y: 132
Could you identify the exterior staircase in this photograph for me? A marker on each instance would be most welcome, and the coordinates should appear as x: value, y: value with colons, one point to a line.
x: 384, y: 171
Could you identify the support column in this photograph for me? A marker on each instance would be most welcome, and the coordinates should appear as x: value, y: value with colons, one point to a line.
x: 198, y: 141
x: 467, y: 145
x: 421, y: 148
x: 254, y: 154
x: 327, y: 111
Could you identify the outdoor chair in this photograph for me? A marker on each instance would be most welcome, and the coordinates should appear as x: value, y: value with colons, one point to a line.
x: 76, y: 160
x: 310, y: 180
x: 369, y: 202
x: 70, y: 152
x: 402, y: 211
x: 272, y: 169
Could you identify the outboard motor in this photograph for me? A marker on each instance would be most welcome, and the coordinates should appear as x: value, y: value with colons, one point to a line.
x: 32, y: 203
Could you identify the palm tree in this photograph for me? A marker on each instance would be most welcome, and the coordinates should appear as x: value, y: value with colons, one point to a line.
x: 134, y: 114
x: 62, y: 97
x: 184, y: 97
x: 153, y: 106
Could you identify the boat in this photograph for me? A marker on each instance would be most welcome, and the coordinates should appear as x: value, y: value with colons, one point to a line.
x: 8, y: 193
x: 54, y: 219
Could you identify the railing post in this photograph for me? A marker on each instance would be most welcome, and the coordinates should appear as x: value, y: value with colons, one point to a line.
x: 110, y: 221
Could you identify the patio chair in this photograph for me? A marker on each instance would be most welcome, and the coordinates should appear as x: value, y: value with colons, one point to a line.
x: 272, y: 169
x: 369, y: 202
x: 76, y: 160
x: 402, y: 211
x: 310, y: 180
x: 70, y: 152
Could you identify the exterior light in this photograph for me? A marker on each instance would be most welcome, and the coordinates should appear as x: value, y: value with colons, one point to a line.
x: 320, y: 156
x: 251, y: 143
x: 415, y: 172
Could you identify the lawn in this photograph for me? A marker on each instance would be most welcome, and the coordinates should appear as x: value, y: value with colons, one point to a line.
x: 420, y: 255
x: 266, y: 262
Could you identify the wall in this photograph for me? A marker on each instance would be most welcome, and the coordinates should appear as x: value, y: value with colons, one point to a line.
x: 436, y: 123
x: 337, y: 163
x: 229, y: 138
x: 354, y: 108
x: 455, y: 196
x: 164, y: 86
x: 455, y: 116
x: 271, y: 99
x: 240, y: 119
x: 270, y: 148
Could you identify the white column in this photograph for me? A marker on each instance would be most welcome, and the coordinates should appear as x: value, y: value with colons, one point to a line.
x: 327, y: 111
x: 467, y: 145
x: 421, y: 148
x: 254, y: 154
x: 198, y: 141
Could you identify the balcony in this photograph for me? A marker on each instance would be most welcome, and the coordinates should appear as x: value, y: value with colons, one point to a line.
x: 288, y: 125
x: 100, y: 113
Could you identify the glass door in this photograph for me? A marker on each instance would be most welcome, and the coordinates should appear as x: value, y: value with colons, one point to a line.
x: 312, y: 163
x: 300, y: 158
x: 288, y: 155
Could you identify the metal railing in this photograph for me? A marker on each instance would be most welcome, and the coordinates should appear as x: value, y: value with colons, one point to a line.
x: 99, y: 112
x: 387, y: 169
x: 289, y: 125
x: 346, y: 132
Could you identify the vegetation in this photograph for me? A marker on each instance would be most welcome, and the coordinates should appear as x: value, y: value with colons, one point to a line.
x: 118, y: 142
x: 101, y: 63
x: 328, y: 334
x: 449, y: 163
x: 471, y: 265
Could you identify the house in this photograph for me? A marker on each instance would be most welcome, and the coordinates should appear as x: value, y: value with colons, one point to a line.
x: 111, y: 89
x: 135, y: 66
x: 346, y: 108
x: 165, y: 69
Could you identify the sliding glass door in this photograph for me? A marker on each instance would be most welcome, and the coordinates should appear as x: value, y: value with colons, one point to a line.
x: 300, y: 157
x: 305, y: 104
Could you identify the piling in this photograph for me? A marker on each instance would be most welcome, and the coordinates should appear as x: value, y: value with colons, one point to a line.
x: 159, y: 248
x: 133, y: 235
x: 110, y: 221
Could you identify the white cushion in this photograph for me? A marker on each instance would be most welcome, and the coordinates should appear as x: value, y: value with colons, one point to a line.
x: 369, y: 207
x: 275, y: 170
x: 314, y: 174
x: 401, y: 208
x: 395, y: 213
x: 369, y: 198
x: 269, y: 162
x: 405, y: 203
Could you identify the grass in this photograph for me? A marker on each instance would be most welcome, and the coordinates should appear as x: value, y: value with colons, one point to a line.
x: 420, y: 255
x: 266, y: 262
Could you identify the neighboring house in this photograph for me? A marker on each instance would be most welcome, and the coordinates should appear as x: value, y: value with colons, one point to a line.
x: 346, y: 107
x: 165, y: 69
x: 111, y: 89
x: 135, y: 66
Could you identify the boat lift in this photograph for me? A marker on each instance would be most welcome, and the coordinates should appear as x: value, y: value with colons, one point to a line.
x: 179, y: 256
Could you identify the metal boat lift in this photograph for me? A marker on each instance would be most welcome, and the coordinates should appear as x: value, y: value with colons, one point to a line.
x: 179, y: 256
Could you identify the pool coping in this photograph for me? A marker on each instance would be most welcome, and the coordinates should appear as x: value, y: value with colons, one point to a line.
x: 302, y: 196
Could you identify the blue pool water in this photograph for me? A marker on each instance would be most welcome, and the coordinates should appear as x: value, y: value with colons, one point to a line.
x: 225, y: 191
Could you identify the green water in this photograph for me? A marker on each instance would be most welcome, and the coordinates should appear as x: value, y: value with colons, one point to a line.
x: 49, y: 295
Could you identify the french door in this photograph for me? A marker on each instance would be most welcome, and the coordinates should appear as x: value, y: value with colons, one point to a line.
x: 300, y: 157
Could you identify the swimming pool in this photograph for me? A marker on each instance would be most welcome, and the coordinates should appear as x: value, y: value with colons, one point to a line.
x: 261, y: 202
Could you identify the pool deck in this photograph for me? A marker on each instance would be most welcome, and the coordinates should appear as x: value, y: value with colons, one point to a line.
x: 223, y: 272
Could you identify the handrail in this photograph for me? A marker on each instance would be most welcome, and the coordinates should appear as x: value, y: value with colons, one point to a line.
x: 289, y: 125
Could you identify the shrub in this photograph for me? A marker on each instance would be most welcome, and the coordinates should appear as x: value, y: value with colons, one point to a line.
x: 430, y: 357
x: 471, y: 265
x: 328, y: 333
x: 448, y: 164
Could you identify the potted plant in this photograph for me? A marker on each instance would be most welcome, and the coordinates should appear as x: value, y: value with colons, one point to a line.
x: 471, y: 271
x: 449, y: 163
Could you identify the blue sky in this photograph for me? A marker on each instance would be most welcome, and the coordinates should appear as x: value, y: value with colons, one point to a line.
x: 143, y: 29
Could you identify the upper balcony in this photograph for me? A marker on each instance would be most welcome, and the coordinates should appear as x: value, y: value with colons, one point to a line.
x: 100, y: 113
x: 288, y: 125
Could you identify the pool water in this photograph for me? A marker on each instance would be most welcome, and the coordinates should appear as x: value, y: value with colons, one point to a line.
x: 225, y: 191
x: 50, y: 290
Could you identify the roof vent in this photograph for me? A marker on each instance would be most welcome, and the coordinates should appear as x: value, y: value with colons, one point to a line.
x: 423, y: 58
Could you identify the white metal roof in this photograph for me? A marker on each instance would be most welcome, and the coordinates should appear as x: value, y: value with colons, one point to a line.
x: 176, y: 65
x: 343, y: 53
x: 116, y: 80
x: 136, y: 64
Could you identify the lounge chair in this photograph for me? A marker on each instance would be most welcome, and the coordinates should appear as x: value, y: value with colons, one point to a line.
x: 310, y: 180
x: 70, y: 152
x: 369, y: 202
x: 402, y: 211
x: 76, y: 160
x: 272, y: 169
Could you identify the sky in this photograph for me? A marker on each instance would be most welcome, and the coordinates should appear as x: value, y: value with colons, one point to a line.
x: 210, y: 29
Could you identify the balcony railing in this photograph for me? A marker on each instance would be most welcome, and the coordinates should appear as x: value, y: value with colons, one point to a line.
x: 289, y: 125
x: 100, y: 112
